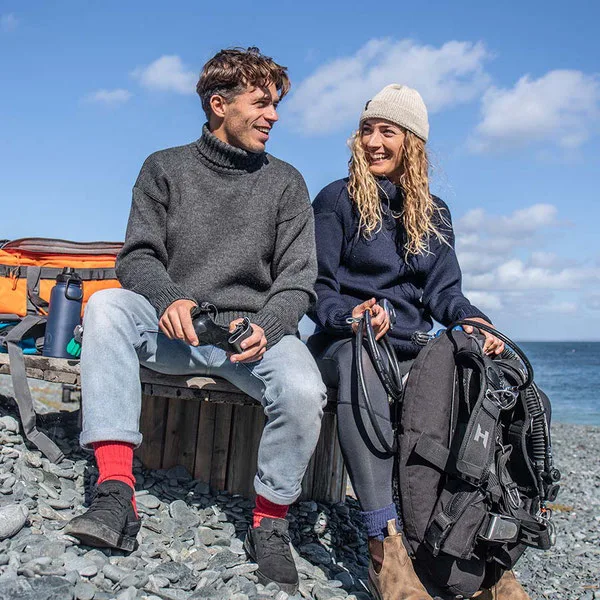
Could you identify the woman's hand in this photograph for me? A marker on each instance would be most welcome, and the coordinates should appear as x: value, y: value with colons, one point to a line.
x: 380, y: 320
x: 492, y: 344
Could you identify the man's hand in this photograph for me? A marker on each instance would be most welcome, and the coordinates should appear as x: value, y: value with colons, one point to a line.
x: 176, y: 322
x: 254, y: 346
x: 492, y: 344
x: 380, y: 320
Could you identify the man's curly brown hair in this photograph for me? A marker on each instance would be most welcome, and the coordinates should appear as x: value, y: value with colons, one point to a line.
x: 229, y: 72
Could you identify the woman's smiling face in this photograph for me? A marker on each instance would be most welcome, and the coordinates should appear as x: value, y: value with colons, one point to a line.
x: 383, y: 142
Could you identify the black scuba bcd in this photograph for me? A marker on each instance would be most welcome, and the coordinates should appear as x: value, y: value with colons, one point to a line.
x: 475, y: 466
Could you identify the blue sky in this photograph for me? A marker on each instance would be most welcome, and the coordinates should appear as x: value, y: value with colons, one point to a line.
x: 89, y: 90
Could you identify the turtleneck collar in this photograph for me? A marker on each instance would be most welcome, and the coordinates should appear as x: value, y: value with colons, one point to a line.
x: 223, y: 157
x: 390, y: 194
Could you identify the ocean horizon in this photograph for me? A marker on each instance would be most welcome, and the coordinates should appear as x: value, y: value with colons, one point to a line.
x: 569, y: 373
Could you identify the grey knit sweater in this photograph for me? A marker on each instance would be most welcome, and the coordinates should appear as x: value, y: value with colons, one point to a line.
x: 211, y: 222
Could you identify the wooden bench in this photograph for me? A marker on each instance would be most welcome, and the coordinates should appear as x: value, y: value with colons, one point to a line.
x: 210, y: 427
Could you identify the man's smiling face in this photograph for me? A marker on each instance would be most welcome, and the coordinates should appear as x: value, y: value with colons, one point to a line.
x: 249, y: 117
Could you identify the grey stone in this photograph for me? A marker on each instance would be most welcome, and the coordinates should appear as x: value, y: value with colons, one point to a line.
x: 315, y: 553
x: 114, y: 573
x: 42, y: 588
x: 180, y: 575
x: 239, y: 570
x: 128, y: 594
x: 181, y: 512
x: 12, y: 519
x: 84, y: 566
x: 149, y: 501
x: 84, y: 591
x: 9, y: 424
x: 322, y: 591
x: 345, y: 578
x: 225, y: 560
x: 136, y: 580
x: 179, y: 472
x: 201, y: 488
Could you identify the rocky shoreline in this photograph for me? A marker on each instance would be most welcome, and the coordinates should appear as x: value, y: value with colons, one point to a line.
x: 191, y: 538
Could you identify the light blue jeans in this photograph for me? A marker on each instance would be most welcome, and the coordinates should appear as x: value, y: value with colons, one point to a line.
x: 121, y: 332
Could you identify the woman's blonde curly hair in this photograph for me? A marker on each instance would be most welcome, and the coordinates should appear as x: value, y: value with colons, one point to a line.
x: 419, y: 210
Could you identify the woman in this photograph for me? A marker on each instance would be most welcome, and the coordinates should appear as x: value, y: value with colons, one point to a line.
x: 381, y: 235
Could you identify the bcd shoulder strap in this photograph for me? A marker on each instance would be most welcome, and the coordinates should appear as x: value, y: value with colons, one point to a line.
x: 28, y: 326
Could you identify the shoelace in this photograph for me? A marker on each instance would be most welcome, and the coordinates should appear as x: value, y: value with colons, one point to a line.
x: 102, y: 501
x: 281, y: 547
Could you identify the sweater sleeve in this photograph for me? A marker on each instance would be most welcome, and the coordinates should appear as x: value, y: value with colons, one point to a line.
x: 294, y: 264
x: 142, y: 263
x: 442, y: 293
x: 331, y: 309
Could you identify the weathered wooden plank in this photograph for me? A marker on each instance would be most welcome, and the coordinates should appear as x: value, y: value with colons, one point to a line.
x: 204, y: 395
x: 181, y: 434
x: 183, y: 381
x: 321, y: 489
x: 218, y: 468
x: 204, y: 441
x: 307, y: 480
x: 61, y: 377
x: 339, y: 477
x: 247, y: 425
x: 46, y: 363
x: 33, y: 373
x: 152, y: 426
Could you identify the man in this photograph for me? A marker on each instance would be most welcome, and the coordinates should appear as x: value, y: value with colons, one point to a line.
x: 216, y: 221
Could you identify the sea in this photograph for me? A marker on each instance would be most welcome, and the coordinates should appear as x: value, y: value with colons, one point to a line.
x: 569, y: 373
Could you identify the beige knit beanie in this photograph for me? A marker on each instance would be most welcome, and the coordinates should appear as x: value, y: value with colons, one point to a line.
x: 400, y: 105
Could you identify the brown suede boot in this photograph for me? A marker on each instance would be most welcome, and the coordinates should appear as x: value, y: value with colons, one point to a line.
x: 396, y: 579
x: 507, y: 588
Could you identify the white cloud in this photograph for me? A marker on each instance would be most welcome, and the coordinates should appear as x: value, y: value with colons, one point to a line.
x: 169, y: 74
x: 563, y: 308
x: 333, y: 96
x: 509, y: 268
x: 526, y: 220
x: 484, y: 300
x: 562, y: 107
x: 8, y: 22
x: 109, y: 97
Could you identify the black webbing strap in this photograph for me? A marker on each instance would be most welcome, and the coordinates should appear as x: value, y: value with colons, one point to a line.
x: 537, y: 534
x: 98, y: 274
x: 478, y: 445
x: 476, y: 452
x: 434, y: 453
x: 35, y: 303
x: 441, y: 525
x: 21, y: 387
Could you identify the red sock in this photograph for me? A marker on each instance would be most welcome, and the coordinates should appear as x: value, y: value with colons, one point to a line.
x: 266, y: 508
x: 115, y: 461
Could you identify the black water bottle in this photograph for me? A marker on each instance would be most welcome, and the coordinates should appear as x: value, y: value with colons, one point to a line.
x: 64, y: 313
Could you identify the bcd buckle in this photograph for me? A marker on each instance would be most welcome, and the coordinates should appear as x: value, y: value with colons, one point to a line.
x: 500, y: 528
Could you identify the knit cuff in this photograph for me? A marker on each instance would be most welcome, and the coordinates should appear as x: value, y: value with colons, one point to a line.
x: 336, y: 321
x: 162, y: 298
x: 471, y: 312
x: 271, y: 325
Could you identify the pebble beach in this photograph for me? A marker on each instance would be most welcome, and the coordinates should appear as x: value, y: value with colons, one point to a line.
x: 190, y: 544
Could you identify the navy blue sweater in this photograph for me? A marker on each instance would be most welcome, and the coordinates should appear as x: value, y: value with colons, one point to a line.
x: 353, y: 269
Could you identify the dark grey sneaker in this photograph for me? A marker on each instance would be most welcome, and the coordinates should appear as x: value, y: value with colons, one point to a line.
x: 110, y: 521
x: 269, y: 546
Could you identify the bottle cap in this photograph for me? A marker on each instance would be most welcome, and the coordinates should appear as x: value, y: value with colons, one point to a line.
x: 68, y: 274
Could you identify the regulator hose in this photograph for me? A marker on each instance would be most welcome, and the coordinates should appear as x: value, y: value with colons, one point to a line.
x: 389, y: 374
